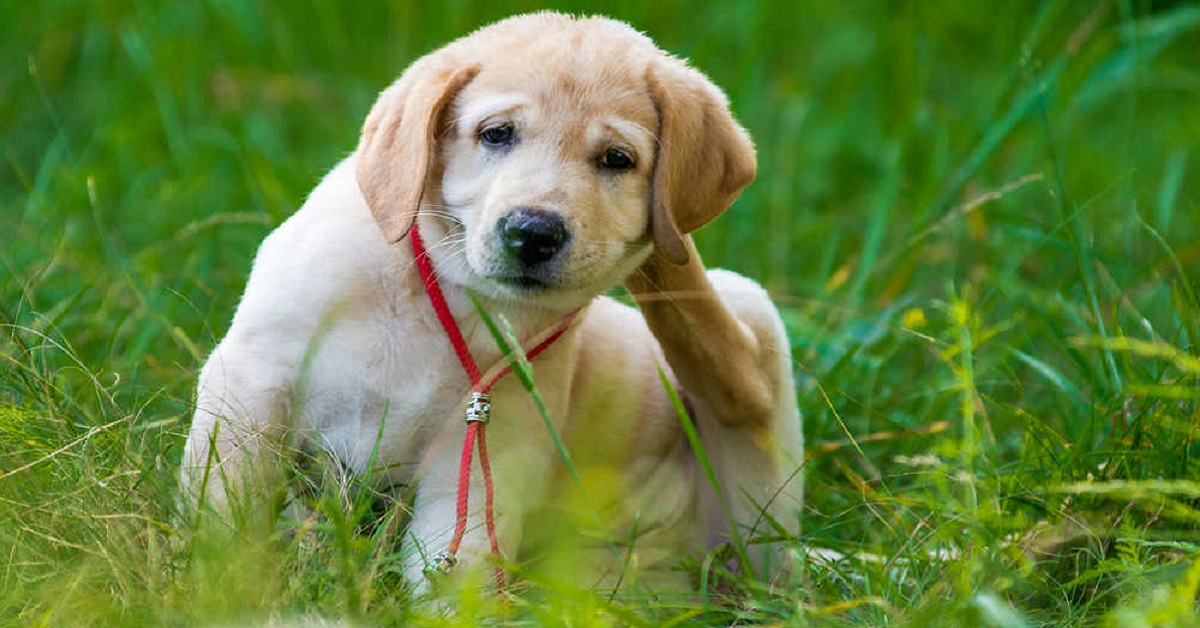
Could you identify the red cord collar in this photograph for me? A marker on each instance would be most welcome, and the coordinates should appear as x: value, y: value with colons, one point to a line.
x: 478, y: 412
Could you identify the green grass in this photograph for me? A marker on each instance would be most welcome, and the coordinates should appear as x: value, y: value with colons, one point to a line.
x: 979, y: 221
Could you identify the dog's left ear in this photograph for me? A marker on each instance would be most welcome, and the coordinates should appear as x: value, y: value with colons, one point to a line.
x: 399, y: 140
x: 705, y: 157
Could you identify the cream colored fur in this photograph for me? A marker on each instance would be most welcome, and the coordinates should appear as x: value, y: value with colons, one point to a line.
x: 335, y: 346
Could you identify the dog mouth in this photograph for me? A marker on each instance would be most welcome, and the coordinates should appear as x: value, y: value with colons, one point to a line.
x: 524, y: 282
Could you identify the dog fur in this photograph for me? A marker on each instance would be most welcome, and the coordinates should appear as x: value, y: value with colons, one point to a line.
x: 335, y: 347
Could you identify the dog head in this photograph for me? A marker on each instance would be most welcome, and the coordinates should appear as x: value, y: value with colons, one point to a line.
x: 549, y: 156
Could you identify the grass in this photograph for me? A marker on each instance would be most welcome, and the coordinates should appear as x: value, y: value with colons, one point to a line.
x: 979, y: 221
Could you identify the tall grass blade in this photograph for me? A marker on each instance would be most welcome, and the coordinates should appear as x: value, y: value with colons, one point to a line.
x: 693, y: 437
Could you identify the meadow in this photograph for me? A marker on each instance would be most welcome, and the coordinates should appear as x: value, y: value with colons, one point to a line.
x: 979, y: 219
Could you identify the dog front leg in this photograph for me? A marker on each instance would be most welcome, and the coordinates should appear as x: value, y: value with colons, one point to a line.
x: 232, y: 462
x: 431, y: 531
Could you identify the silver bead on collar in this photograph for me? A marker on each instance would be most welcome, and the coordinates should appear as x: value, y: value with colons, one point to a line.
x: 479, y: 409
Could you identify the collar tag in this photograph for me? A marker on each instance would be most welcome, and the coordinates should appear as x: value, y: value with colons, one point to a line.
x: 479, y: 409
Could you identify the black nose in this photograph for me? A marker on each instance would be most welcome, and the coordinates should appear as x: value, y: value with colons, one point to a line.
x: 532, y: 236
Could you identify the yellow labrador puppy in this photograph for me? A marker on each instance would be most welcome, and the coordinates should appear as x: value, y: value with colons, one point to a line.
x: 545, y: 159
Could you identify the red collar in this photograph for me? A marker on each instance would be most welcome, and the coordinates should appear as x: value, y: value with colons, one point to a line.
x: 478, y: 410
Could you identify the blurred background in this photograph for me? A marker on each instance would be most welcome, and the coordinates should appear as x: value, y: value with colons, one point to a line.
x: 964, y: 209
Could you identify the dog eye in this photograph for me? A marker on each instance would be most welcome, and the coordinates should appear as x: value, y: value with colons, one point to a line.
x: 616, y: 159
x: 497, y: 136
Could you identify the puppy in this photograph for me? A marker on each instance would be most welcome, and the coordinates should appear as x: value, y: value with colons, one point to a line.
x: 544, y: 159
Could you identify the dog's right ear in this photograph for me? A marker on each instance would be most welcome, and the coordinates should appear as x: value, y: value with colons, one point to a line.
x: 399, y: 140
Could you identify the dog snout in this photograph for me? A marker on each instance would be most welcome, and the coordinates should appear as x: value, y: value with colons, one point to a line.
x: 532, y: 236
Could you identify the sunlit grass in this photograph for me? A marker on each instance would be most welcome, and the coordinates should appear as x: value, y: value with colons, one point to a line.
x: 979, y: 223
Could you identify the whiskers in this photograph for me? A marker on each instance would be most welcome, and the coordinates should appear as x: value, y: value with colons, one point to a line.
x: 452, y: 247
x: 445, y: 212
x: 451, y: 251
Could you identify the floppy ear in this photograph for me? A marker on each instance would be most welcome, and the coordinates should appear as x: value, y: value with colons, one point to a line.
x: 705, y: 157
x: 399, y: 139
